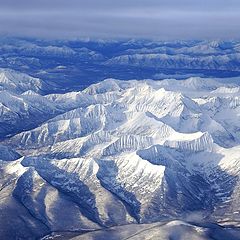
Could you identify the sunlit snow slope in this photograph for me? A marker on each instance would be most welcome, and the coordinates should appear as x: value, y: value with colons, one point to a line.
x: 118, y: 152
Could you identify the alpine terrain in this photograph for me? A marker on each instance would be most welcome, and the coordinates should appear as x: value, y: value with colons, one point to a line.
x: 136, y: 159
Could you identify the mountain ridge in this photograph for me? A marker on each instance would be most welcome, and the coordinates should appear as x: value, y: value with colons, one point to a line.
x: 121, y: 152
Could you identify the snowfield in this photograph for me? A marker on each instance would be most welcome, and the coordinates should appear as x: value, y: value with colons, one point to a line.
x: 118, y: 153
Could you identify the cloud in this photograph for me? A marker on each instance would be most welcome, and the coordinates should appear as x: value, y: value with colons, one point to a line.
x: 162, y: 19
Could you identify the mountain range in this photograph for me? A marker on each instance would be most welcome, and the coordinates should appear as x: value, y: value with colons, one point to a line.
x: 75, y: 64
x: 163, y: 154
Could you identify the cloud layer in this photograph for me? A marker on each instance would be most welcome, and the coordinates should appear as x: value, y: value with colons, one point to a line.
x: 161, y: 19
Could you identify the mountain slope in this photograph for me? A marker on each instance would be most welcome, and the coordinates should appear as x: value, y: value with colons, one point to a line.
x: 18, y: 83
x: 122, y: 152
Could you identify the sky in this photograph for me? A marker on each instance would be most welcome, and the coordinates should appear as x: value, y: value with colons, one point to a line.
x: 150, y: 19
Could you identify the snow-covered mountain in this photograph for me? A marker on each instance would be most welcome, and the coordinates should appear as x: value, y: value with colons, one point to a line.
x: 17, y: 82
x: 158, y: 60
x: 75, y: 64
x: 176, y: 230
x: 201, y: 55
x: 118, y: 152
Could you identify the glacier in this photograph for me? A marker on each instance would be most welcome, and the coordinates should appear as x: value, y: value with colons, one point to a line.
x: 163, y: 154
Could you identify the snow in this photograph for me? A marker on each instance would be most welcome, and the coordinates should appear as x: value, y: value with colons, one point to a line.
x: 126, y: 151
x: 17, y: 82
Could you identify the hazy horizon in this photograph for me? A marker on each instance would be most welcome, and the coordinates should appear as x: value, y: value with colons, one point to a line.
x: 105, y: 19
